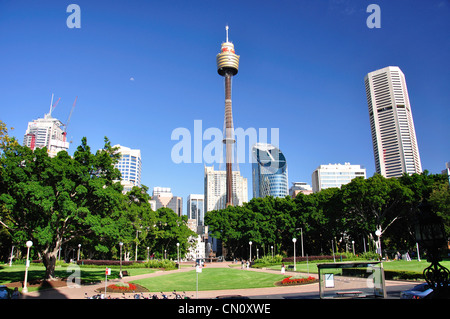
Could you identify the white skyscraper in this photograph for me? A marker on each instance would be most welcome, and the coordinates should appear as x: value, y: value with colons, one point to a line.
x: 335, y: 175
x: 215, y: 189
x: 393, y: 134
x: 46, y: 132
x: 130, y: 166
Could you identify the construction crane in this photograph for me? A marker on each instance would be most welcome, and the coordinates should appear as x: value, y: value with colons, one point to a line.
x: 68, y: 119
x: 52, y: 106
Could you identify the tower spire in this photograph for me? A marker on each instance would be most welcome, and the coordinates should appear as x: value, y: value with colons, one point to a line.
x: 226, y: 30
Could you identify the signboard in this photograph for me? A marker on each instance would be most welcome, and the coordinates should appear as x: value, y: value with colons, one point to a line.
x: 329, y: 280
x: 108, y: 271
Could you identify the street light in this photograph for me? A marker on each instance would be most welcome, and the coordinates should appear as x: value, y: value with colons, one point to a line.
x: 29, y: 244
x: 301, y: 234
x: 353, y: 244
x: 178, y: 255
x: 78, y: 254
x: 294, y: 240
x: 250, y: 243
x: 120, y: 273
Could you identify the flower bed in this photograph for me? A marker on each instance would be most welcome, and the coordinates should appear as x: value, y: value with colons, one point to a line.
x: 291, y: 280
x: 122, y: 287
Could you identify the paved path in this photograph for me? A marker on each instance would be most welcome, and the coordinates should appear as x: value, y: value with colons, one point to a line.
x: 90, y: 290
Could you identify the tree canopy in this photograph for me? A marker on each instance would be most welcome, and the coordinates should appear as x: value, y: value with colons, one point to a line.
x: 65, y: 201
x: 350, y: 214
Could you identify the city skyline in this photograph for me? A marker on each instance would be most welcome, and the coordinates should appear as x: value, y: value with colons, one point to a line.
x: 303, y: 68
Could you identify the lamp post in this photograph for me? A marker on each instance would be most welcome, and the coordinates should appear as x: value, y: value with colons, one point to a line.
x: 29, y: 244
x: 120, y: 273
x: 78, y: 254
x: 250, y: 243
x: 353, y: 244
x: 148, y: 252
x: 271, y: 247
x: 257, y: 253
x: 178, y: 255
x: 294, y: 240
x: 301, y: 236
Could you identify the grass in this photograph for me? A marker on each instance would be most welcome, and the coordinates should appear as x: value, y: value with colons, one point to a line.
x: 88, y: 274
x: 210, y: 279
x: 398, y: 266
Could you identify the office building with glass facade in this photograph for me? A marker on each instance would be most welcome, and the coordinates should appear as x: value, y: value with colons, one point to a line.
x: 269, y: 171
x: 335, y: 175
x: 130, y: 167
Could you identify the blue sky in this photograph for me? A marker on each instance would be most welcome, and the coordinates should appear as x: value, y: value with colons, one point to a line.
x: 302, y: 71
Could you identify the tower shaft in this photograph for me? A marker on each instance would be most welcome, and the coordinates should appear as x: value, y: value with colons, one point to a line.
x: 228, y: 66
x: 229, y: 138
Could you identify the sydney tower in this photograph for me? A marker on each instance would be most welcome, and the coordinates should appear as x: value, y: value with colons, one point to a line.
x: 227, y: 66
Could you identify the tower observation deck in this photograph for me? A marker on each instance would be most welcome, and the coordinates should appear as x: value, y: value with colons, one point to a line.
x: 228, y: 66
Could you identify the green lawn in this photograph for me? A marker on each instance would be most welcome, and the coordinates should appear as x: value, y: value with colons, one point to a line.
x: 210, y: 279
x: 88, y: 274
x: 395, y: 265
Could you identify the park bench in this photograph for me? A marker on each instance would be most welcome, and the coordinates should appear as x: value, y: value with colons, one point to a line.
x: 124, y: 273
x: 290, y: 267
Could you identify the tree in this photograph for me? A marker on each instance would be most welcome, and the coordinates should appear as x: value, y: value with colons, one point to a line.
x: 51, y: 201
x: 171, y: 229
x: 374, y: 204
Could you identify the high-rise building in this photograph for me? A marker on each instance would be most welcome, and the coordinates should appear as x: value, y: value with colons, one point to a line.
x: 196, y: 208
x: 227, y: 66
x: 335, y: 175
x: 163, y: 197
x: 393, y: 135
x: 48, y: 132
x: 130, y: 166
x: 269, y: 171
x: 300, y: 187
x: 216, y: 189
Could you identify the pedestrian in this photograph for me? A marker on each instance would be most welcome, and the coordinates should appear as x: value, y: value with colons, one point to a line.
x: 15, y: 294
x: 282, y: 269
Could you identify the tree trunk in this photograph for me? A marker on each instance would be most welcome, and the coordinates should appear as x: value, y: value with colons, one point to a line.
x: 49, y: 260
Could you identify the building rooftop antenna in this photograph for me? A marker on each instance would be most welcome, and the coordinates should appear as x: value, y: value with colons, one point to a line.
x: 226, y: 30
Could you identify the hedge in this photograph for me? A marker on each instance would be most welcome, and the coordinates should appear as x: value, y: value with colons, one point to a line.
x: 312, y: 258
x: 106, y: 262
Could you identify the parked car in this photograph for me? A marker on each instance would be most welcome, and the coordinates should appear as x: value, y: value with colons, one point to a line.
x: 418, y: 292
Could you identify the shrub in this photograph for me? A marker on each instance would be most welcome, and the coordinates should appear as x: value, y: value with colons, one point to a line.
x: 269, y: 260
x: 164, y: 263
x: 312, y: 258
